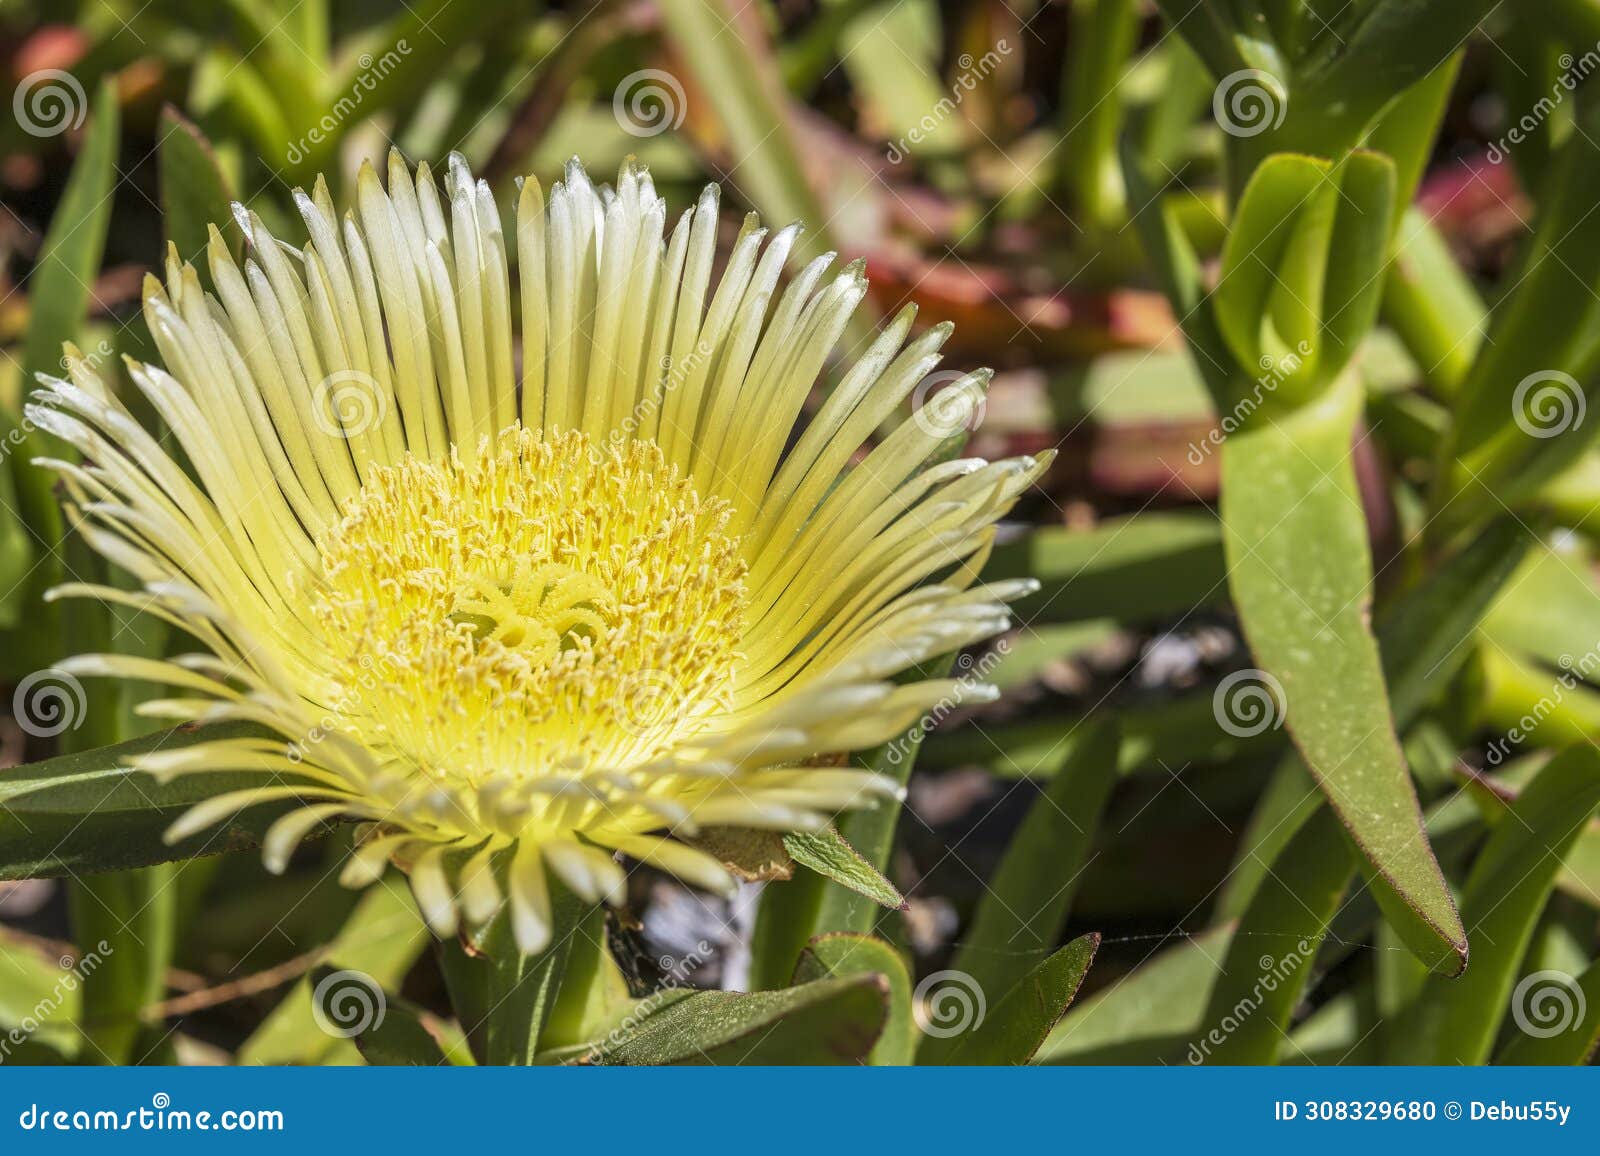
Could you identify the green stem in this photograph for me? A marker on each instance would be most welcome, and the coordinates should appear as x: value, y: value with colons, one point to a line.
x: 807, y: 905
x: 504, y: 999
x: 1528, y: 703
x: 1101, y: 42
x: 1432, y: 305
x: 126, y: 919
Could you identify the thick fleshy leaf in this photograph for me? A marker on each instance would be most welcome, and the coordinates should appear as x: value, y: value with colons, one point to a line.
x: 1102, y: 38
x: 371, y: 954
x: 1424, y: 636
x: 1024, y: 906
x: 830, y: 855
x: 1380, y: 48
x: 1286, y: 195
x: 1520, y: 419
x: 1358, y: 249
x: 1268, y: 963
x: 591, y: 992
x: 845, y: 953
x: 405, y: 1035
x: 88, y: 812
x: 194, y: 194
x: 828, y: 1021
x: 1301, y: 574
x: 1409, y: 129
x: 1455, y: 1021
x: 846, y: 891
x: 1148, y: 1016
x: 61, y: 285
x: 1017, y: 1026
x: 506, y: 998
x: 16, y: 556
x: 1302, y: 269
x: 1432, y: 304
x: 1135, y: 569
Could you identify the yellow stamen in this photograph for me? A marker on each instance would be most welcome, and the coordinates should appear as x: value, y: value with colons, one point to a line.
x: 549, y: 604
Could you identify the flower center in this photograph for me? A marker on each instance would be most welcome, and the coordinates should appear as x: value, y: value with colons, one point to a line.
x: 535, y: 608
x: 551, y: 605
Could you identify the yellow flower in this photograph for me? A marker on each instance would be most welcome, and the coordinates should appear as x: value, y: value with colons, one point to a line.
x: 550, y: 618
